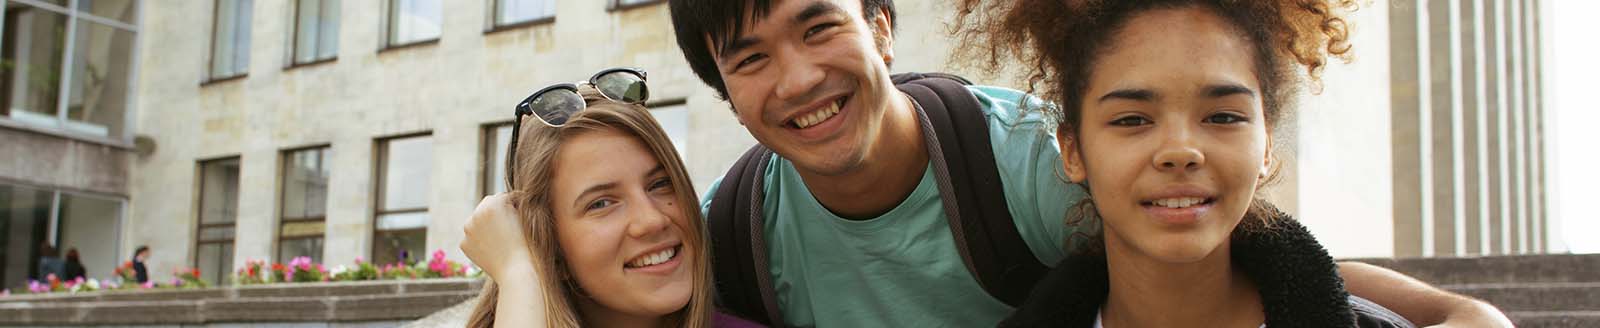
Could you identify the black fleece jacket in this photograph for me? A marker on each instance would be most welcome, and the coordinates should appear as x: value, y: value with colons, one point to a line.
x: 1299, y: 284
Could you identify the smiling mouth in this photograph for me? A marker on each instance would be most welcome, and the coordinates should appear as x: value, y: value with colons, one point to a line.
x: 1179, y: 202
x: 655, y: 258
x: 817, y: 116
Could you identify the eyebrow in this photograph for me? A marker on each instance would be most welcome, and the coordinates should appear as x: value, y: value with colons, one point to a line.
x: 1128, y: 94
x: 1212, y: 91
x: 1224, y: 90
x: 812, y: 11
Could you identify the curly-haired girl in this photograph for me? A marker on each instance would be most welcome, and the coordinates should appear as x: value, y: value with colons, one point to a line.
x: 1166, y: 115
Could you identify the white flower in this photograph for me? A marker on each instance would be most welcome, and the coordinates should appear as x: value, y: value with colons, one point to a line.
x: 338, y: 270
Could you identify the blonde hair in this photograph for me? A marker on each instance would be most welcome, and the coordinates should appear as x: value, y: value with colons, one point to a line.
x: 536, y: 153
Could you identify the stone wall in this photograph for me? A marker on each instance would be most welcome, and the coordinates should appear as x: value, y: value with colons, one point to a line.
x: 380, y: 303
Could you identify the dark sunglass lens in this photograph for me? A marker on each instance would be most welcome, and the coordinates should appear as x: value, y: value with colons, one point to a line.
x: 556, y: 106
x: 623, y: 86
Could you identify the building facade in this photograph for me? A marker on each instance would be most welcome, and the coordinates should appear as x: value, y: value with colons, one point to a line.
x: 344, y: 130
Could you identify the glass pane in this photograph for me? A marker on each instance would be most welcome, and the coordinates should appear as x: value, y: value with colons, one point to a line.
x: 305, y: 184
x: 517, y: 11
x: 120, y: 10
x: 34, y: 42
x: 215, y: 262
x: 89, y: 225
x: 221, y: 233
x: 101, y: 62
x: 391, y: 247
x: 407, y: 172
x: 288, y: 249
x: 414, y: 20
x: 412, y: 220
x: 631, y: 2
x: 24, y: 227
x: 302, y: 229
x: 494, y: 165
x: 675, y: 122
x: 230, y: 43
x: 317, y: 31
x: 219, y: 191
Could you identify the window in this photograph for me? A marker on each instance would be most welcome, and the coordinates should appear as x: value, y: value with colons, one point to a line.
x: 219, y: 209
x: 624, y: 4
x: 674, y: 119
x: 88, y: 51
x: 405, y: 166
x: 305, y: 203
x: 230, y: 39
x: 513, y: 12
x: 316, y: 30
x: 495, y: 140
x: 31, y: 218
x: 414, y: 21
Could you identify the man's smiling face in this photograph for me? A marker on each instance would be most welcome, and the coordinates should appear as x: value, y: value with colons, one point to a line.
x: 810, y: 80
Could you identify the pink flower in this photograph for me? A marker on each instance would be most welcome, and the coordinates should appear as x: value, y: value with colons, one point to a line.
x: 438, y: 255
x: 148, y: 285
x: 36, y: 287
x: 359, y: 260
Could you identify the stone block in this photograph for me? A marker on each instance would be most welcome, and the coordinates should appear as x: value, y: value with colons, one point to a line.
x: 140, y: 312
x: 267, y: 309
x: 408, y: 307
x: 1537, y: 296
x: 165, y: 294
x: 319, y: 289
x: 441, y: 285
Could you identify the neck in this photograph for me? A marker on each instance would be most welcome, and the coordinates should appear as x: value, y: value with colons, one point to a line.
x: 596, y: 315
x: 1146, y: 292
x: 889, y: 171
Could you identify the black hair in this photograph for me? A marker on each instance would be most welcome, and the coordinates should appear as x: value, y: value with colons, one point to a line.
x: 718, y: 21
x: 140, y: 250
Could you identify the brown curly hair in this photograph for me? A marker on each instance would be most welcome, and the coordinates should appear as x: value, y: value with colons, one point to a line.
x: 1060, y: 40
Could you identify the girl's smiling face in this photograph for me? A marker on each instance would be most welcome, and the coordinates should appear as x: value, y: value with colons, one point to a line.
x: 621, y: 229
x: 1173, y: 140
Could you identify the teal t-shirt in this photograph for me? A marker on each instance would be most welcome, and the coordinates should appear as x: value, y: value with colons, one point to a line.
x: 902, y: 269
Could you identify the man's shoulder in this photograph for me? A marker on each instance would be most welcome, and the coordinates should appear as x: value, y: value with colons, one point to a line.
x: 1009, y: 107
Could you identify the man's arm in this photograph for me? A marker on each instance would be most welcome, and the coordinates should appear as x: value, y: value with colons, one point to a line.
x: 1424, y: 305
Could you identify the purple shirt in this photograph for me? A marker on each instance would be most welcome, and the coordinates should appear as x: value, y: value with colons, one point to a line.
x: 723, y: 320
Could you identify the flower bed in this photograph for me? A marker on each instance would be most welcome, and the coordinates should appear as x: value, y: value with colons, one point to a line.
x: 257, y: 272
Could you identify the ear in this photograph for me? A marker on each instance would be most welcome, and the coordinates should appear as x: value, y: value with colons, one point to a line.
x: 883, y: 35
x: 1071, y: 159
x: 1266, y: 161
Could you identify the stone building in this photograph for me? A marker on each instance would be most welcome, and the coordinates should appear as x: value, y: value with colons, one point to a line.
x: 222, y: 131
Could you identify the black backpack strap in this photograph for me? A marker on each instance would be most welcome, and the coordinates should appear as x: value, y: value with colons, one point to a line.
x: 738, y: 243
x: 963, y: 157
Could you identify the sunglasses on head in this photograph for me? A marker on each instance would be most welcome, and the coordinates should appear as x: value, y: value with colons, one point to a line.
x: 554, y: 104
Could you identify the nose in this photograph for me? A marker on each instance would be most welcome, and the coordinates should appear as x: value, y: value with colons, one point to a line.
x: 649, y: 217
x: 798, y: 77
x: 1179, y: 153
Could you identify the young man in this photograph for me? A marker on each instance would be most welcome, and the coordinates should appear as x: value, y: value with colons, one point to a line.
x: 855, y: 228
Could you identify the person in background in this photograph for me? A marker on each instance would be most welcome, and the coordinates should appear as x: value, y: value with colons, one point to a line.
x: 74, y: 268
x: 49, y: 262
x: 141, y: 254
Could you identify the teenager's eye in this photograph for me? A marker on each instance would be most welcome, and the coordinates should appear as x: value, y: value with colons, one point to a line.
x: 662, y: 184
x: 748, y: 61
x: 1131, y: 121
x: 1225, y: 118
x: 599, y: 204
x: 819, y: 29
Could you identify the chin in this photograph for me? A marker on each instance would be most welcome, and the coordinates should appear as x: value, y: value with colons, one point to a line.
x: 670, y: 299
x: 1181, y: 249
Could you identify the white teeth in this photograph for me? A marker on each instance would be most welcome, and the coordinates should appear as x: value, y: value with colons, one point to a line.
x: 654, y: 258
x: 806, y: 121
x: 1178, y: 202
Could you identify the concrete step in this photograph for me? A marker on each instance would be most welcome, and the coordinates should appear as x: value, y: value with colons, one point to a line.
x: 1497, y: 269
x: 1582, y: 296
x: 1555, y: 319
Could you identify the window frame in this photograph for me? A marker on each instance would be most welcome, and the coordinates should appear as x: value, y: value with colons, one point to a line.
x: 617, y: 5
x: 285, y: 156
x: 199, y: 217
x: 485, y: 152
x: 53, y: 219
x: 390, y: 11
x: 294, y: 36
x: 494, y: 24
x: 211, y: 55
x: 74, y: 15
x: 380, y: 168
